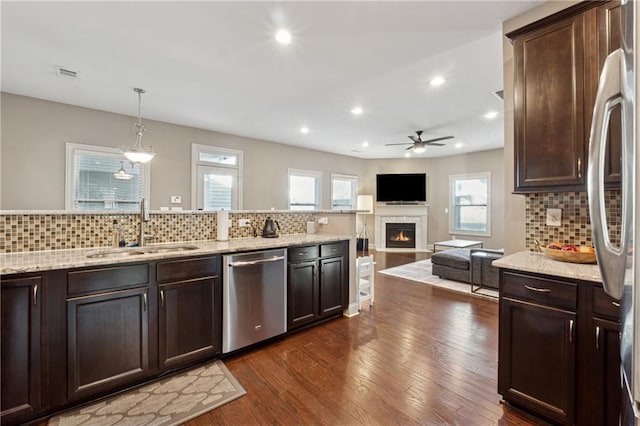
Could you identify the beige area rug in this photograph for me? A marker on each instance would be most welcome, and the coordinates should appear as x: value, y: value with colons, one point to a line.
x: 421, y: 272
x: 170, y: 401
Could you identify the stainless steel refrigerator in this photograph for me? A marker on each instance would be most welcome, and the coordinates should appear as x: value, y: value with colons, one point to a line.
x: 620, y: 263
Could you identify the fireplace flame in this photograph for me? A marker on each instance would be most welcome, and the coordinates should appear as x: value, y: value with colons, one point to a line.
x: 401, y: 237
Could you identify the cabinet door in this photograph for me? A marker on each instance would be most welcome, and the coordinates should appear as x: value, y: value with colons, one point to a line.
x: 302, y: 294
x: 609, y: 24
x: 107, y: 342
x: 537, y: 359
x: 550, y: 140
x: 20, y: 367
x: 190, y: 321
x: 606, y: 372
x: 331, y: 286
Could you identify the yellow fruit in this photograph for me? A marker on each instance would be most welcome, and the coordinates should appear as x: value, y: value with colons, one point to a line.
x: 586, y: 249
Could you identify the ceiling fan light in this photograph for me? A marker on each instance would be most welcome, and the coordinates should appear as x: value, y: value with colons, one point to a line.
x: 419, y: 149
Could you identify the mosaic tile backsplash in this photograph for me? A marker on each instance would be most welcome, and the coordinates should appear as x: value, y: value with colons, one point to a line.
x: 576, y: 227
x: 35, y: 232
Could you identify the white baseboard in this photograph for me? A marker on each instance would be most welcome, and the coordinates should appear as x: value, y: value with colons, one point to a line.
x: 352, y: 310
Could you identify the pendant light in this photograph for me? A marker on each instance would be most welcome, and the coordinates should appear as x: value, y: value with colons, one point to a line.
x: 138, y: 153
x: 122, y: 173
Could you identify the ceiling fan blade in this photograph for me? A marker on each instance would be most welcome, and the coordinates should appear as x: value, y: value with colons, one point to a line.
x: 405, y: 143
x: 434, y: 144
x: 438, y: 139
x: 415, y: 139
x: 411, y: 147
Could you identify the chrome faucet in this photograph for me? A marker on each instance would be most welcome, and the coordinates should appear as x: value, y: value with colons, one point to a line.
x: 144, y: 217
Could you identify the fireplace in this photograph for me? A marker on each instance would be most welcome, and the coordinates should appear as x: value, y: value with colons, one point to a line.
x: 401, y: 235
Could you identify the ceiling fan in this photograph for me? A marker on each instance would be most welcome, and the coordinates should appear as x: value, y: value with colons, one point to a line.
x: 419, y: 145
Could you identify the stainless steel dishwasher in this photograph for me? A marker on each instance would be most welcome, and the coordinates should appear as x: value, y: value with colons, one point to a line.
x: 255, y: 298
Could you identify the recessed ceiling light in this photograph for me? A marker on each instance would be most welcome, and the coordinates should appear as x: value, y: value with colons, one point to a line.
x: 304, y: 129
x: 458, y: 145
x: 365, y: 144
x: 437, y: 81
x: 283, y: 36
x: 356, y: 110
x: 407, y: 154
x: 491, y: 115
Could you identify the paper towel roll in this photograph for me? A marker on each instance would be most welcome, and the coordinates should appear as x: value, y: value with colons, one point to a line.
x: 222, y: 218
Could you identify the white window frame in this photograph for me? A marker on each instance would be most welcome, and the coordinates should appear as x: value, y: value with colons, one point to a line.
x: 354, y: 184
x: 75, y: 148
x: 196, y: 149
x: 307, y: 173
x: 452, y: 181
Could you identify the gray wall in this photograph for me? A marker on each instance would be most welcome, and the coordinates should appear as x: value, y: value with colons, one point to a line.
x: 34, y: 134
x: 438, y: 171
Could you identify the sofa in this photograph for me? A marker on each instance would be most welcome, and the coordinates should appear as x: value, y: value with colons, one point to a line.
x: 471, y: 266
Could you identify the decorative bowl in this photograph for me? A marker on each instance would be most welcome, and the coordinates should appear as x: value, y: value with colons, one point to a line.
x: 569, y: 256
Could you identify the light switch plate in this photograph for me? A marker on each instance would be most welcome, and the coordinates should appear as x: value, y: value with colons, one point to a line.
x: 554, y: 217
x: 176, y: 199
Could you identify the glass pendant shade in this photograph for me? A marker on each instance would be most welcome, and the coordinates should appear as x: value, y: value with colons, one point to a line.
x: 122, y: 173
x: 138, y: 153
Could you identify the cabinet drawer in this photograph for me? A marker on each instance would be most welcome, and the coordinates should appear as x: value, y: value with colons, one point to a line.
x: 113, y: 277
x: 174, y: 270
x: 333, y: 249
x: 296, y: 254
x: 605, y: 305
x: 546, y: 291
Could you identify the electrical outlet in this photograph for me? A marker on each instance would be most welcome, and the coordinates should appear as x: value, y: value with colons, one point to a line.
x: 323, y: 221
x: 554, y: 217
x: 244, y: 222
x: 176, y: 199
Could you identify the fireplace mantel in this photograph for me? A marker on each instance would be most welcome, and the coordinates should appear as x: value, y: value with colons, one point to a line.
x: 416, y: 214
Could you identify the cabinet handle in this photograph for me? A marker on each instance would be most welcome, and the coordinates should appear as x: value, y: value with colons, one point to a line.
x: 570, y: 331
x: 598, y: 338
x: 35, y: 295
x: 161, y: 298
x: 144, y: 301
x: 539, y: 290
x: 579, y: 168
x: 616, y: 304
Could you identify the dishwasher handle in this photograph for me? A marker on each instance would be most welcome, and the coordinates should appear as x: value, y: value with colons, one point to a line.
x: 256, y: 262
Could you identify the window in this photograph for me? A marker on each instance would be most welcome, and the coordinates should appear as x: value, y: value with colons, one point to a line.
x: 91, y: 184
x: 304, y: 189
x: 343, y: 192
x: 470, y: 204
x: 216, y: 178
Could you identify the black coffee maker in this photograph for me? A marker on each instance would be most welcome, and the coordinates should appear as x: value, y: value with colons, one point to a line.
x: 270, y: 229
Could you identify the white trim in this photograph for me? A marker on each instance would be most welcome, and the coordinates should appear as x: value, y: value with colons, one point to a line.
x: 354, y: 183
x: 452, y: 180
x: 195, y: 150
x: 308, y: 173
x: 73, y: 148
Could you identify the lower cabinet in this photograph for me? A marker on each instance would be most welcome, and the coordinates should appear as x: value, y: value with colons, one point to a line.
x: 20, y: 360
x: 559, y: 349
x: 189, y: 325
x: 108, y: 341
x: 317, y: 283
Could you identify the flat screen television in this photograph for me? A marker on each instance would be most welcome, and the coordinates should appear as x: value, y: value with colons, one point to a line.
x: 401, y: 188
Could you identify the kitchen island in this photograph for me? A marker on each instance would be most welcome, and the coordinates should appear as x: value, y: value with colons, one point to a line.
x: 559, y: 340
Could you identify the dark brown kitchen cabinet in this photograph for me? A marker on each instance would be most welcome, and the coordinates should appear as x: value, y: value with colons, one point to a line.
x: 557, y: 61
x: 190, y: 311
x: 537, y: 358
x: 317, y: 283
x: 21, y: 354
x: 559, y: 346
x: 108, y: 341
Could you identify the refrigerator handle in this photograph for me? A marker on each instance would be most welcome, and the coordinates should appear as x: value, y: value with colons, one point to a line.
x: 611, y: 92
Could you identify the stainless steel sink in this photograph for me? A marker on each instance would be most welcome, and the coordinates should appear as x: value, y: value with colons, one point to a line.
x: 165, y: 249
x: 114, y: 253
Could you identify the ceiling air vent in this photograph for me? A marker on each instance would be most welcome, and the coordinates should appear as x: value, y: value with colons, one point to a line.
x: 66, y: 72
x: 499, y: 94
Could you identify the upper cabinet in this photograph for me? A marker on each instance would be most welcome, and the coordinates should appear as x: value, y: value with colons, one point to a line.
x: 557, y: 61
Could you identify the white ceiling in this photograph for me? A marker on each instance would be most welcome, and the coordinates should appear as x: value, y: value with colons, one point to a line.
x: 216, y: 66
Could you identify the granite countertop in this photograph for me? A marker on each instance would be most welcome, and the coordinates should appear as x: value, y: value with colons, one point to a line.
x: 13, y: 263
x: 539, y: 263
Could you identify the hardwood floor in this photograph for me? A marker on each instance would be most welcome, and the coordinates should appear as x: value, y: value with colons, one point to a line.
x: 420, y: 355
